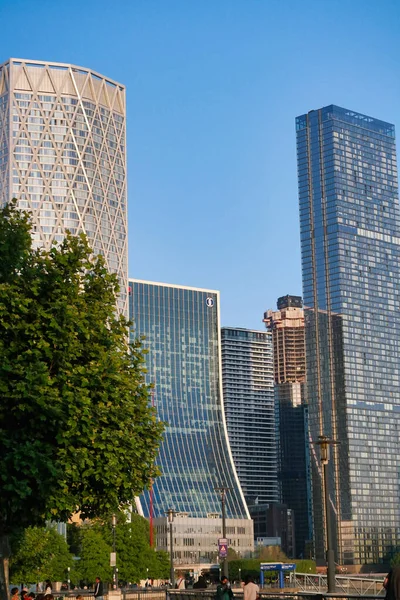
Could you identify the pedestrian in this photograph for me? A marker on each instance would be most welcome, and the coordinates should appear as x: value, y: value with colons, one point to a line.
x: 201, y: 583
x: 98, y: 589
x: 392, y: 584
x: 224, y: 590
x: 180, y: 582
x: 251, y: 591
x: 48, y: 588
x: 14, y: 593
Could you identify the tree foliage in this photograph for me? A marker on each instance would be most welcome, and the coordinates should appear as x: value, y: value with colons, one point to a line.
x: 40, y: 554
x: 271, y: 554
x: 135, y: 558
x: 94, y: 557
x: 232, y: 554
x: 395, y: 561
x: 76, y: 428
x: 251, y: 566
x: 305, y: 566
x: 161, y: 569
x: 245, y: 566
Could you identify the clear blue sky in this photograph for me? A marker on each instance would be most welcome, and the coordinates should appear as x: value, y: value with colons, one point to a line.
x: 213, y: 88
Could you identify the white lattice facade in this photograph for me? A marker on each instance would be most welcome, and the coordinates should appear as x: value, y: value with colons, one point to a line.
x: 63, y: 156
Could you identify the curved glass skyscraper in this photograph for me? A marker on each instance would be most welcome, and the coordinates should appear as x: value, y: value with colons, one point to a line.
x: 62, y: 155
x: 182, y: 336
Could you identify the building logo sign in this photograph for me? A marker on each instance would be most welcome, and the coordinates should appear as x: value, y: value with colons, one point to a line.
x: 210, y: 302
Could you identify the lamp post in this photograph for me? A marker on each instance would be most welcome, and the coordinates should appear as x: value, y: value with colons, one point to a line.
x: 240, y: 575
x: 171, y: 513
x: 69, y: 577
x: 115, y: 570
x: 222, y: 494
x: 324, y: 442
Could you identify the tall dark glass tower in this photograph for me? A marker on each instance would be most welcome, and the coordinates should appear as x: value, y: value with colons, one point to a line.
x: 182, y: 336
x: 350, y: 238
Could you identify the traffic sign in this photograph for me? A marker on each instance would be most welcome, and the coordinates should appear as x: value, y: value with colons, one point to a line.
x: 223, y: 547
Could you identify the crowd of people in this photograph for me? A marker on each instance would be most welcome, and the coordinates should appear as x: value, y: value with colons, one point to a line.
x: 47, y: 594
x: 224, y: 591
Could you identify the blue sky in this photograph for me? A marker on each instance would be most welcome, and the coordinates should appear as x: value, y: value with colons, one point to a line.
x: 213, y: 88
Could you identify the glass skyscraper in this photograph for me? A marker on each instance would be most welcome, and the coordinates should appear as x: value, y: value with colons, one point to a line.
x: 248, y: 387
x: 350, y: 238
x: 63, y: 157
x: 182, y: 336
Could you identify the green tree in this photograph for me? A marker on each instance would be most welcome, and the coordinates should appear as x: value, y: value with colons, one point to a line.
x: 243, y: 567
x: 161, y: 568
x: 271, y: 554
x: 76, y: 428
x: 135, y: 558
x: 305, y: 566
x: 134, y: 554
x: 395, y: 562
x: 94, y: 556
x: 40, y: 554
x: 74, y: 538
x: 232, y: 555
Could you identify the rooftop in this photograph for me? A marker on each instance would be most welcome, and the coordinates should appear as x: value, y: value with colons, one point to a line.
x: 349, y: 116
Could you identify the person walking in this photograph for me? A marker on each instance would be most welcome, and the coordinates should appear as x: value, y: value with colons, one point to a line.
x: 98, y: 589
x: 392, y: 584
x: 224, y: 590
x: 251, y: 591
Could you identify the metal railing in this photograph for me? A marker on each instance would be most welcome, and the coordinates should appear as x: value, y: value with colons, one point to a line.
x: 345, y: 584
x: 273, y: 594
x: 302, y: 587
x: 126, y: 594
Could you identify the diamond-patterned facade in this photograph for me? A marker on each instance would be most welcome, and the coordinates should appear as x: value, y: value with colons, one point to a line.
x: 63, y: 156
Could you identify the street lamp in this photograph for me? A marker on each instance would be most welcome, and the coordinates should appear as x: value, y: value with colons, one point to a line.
x: 171, y: 513
x: 240, y: 575
x: 324, y: 442
x: 222, y: 494
x: 68, y: 577
x: 115, y: 571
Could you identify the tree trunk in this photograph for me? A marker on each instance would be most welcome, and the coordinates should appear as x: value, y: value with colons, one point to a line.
x: 4, y: 563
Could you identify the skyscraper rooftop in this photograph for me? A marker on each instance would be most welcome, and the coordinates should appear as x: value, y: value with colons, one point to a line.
x: 63, y: 155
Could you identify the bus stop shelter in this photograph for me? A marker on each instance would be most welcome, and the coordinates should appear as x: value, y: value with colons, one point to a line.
x: 280, y: 568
